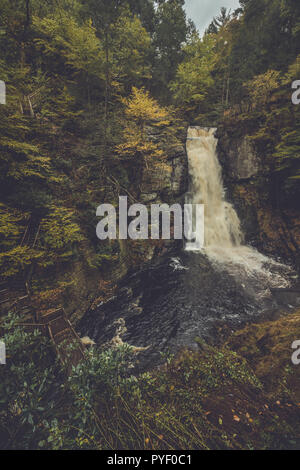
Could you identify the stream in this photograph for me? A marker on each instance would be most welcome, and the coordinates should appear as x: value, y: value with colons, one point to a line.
x: 186, y: 296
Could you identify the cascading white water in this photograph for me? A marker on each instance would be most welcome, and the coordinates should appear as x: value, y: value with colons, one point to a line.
x: 222, y: 226
x: 223, y: 238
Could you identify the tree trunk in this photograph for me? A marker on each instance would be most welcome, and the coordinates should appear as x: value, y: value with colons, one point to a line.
x: 30, y: 107
x: 106, y: 87
x: 227, y: 90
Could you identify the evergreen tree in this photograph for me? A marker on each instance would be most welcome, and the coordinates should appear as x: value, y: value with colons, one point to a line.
x: 171, y: 33
x: 220, y: 21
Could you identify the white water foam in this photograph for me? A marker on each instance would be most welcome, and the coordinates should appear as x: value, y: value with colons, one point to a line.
x: 224, y: 240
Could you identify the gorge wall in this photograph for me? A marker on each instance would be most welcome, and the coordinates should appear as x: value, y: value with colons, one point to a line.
x: 186, y: 296
x: 251, y: 185
x: 163, y: 181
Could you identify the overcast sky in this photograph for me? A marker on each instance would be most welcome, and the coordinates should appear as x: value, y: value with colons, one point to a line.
x: 203, y: 11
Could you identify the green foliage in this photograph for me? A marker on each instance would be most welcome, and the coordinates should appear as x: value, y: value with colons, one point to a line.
x: 241, y: 73
x: 10, y: 227
x: 171, y: 33
x: 287, y: 155
x: 62, y: 38
x: 59, y: 234
x: 220, y: 21
x: 141, y: 110
x: 103, y: 406
x: 131, y: 62
x: 20, y: 159
x: 261, y: 87
x: 277, y: 128
x: 107, y: 253
x: 16, y: 260
x: 256, y: 48
x: 28, y: 387
x: 102, y: 376
x: 194, y: 75
x: 77, y: 75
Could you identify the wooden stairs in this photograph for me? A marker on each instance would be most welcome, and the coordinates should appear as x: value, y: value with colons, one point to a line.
x: 53, y: 323
x: 17, y: 288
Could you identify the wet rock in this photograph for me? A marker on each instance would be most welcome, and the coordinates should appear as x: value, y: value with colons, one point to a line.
x: 243, y: 161
x: 289, y: 297
x: 251, y: 188
x: 169, y: 305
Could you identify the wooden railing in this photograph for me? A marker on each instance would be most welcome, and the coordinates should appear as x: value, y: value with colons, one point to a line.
x: 53, y: 323
x: 59, y: 329
x: 9, y: 291
x: 66, y: 341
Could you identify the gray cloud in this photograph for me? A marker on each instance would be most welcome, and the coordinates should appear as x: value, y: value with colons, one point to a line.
x: 203, y: 11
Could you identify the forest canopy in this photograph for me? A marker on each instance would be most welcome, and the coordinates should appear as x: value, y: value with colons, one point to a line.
x: 78, y: 72
x: 99, y: 96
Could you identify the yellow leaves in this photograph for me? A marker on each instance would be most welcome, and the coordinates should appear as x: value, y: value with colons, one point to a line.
x: 262, y: 86
x: 16, y: 259
x: 141, y: 107
x: 132, y: 141
x: 10, y: 229
x: 59, y: 232
x: 161, y: 123
x: 145, y: 149
x: 35, y: 166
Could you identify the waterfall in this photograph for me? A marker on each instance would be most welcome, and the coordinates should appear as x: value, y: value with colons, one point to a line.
x: 223, y: 237
x: 222, y: 226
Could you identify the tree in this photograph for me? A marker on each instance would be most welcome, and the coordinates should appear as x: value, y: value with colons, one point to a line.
x: 194, y: 75
x: 130, y: 53
x: 141, y: 110
x: 171, y: 32
x: 220, y: 21
x: 71, y: 48
x: 104, y: 14
x: 261, y: 87
x: 256, y: 48
x: 59, y: 234
x: 145, y: 10
x: 21, y: 159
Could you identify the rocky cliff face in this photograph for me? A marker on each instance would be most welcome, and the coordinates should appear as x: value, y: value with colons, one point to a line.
x: 164, y: 181
x: 243, y: 162
x: 251, y: 186
x: 167, y: 182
